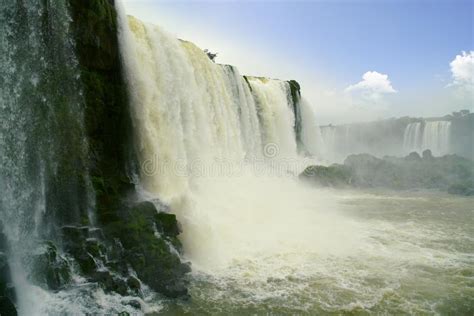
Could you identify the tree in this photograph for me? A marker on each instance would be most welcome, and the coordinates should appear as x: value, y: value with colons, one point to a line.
x: 210, y: 55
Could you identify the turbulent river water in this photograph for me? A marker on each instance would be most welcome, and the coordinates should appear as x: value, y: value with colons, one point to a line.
x: 354, y: 252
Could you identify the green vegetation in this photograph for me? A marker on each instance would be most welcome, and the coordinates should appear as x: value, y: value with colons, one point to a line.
x: 449, y: 173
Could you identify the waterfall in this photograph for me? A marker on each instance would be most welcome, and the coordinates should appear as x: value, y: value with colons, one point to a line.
x: 432, y: 135
x: 43, y: 168
x: 189, y: 111
x: 311, y: 135
x: 436, y: 137
x: 275, y: 113
x: 392, y: 137
x: 193, y: 116
x: 328, y: 134
x: 412, y: 137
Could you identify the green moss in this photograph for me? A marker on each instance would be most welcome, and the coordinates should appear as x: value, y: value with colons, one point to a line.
x: 148, y: 251
x: 107, y: 119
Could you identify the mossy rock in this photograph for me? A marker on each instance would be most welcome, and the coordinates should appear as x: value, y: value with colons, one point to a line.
x: 134, y: 284
x: 148, y: 252
x: 7, y: 308
x: 111, y: 282
x: 50, y: 269
x: 7, y: 291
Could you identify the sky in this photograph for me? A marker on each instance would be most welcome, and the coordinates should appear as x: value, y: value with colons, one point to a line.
x: 356, y: 60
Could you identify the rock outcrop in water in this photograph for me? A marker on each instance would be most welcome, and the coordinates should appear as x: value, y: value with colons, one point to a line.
x: 449, y: 173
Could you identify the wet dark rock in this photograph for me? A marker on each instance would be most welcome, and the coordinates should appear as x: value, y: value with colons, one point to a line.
x: 134, y: 303
x: 148, y: 252
x: 427, y: 154
x: 413, y: 156
x: 95, y: 248
x: 50, y: 269
x: 74, y: 235
x: 110, y: 282
x: 86, y: 262
x: 7, y: 308
x: 7, y: 291
x: 134, y: 284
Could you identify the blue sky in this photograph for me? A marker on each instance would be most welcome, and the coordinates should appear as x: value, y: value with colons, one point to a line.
x: 329, y: 45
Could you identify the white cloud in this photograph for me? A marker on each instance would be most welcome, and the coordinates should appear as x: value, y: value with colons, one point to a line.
x: 462, y: 70
x: 373, y: 86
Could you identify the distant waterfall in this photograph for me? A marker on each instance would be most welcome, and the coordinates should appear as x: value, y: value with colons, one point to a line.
x: 329, y: 138
x: 432, y: 135
x: 436, y: 137
x: 187, y: 110
x: 311, y: 136
x: 412, y: 137
x: 393, y: 137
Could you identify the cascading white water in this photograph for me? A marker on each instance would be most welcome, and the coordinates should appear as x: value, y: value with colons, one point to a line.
x: 335, y: 142
x: 432, y: 135
x: 276, y: 117
x: 436, y: 137
x: 189, y: 111
x: 328, y: 134
x: 389, y: 137
x: 311, y: 135
x: 412, y: 137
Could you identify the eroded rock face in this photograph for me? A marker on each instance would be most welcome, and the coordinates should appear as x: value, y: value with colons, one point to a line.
x: 142, y: 246
x: 150, y: 245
